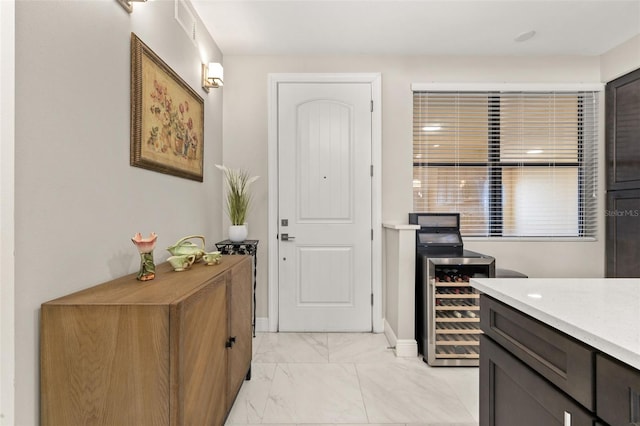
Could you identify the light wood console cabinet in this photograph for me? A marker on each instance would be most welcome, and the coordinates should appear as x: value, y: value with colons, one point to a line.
x: 171, y: 351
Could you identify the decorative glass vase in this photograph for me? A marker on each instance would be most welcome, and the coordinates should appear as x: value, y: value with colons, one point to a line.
x: 238, y: 233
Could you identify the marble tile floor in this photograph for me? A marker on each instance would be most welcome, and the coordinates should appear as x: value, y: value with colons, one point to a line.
x: 350, y: 379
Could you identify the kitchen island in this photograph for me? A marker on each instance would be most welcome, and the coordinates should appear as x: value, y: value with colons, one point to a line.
x: 559, y: 351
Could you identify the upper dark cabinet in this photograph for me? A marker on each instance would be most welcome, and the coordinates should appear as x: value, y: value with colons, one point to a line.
x: 623, y: 131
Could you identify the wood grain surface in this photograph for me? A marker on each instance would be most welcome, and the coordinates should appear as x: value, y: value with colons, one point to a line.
x: 147, y: 353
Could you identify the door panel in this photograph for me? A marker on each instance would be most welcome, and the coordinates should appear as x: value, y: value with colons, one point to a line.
x: 325, y: 286
x: 324, y: 156
x: 325, y: 162
x: 623, y: 234
x: 622, y: 129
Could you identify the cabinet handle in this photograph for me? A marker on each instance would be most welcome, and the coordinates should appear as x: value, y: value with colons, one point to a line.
x: 567, y: 418
x: 229, y: 343
x: 634, y: 407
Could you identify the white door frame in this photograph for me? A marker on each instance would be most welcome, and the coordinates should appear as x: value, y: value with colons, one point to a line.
x: 376, y: 197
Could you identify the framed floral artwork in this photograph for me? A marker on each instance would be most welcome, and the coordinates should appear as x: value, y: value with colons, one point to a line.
x: 167, y: 117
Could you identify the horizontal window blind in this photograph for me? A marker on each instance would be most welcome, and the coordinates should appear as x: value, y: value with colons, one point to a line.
x: 513, y: 164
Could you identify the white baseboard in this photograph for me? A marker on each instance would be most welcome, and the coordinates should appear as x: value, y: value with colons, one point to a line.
x: 404, y: 348
x: 262, y: 325
x: 388, y: 331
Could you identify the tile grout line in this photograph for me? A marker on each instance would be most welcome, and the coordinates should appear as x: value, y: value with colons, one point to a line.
x: 364, y: 404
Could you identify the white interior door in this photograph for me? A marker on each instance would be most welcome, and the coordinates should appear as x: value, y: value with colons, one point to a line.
x: 324, y: 187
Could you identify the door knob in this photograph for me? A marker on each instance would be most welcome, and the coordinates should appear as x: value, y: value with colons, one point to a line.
x: 286, y: 237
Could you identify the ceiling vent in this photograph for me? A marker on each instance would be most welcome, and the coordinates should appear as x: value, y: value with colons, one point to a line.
x: 186, y: 17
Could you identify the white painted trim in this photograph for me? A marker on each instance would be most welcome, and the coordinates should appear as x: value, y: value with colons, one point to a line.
x: 272, y: 238
x: 7, y: 207
x: 404, y: 348
x: 391, y: 335
x: 375, y: 79
x: 376, y: 202
x: 262, y: 325
x: 506, y: 87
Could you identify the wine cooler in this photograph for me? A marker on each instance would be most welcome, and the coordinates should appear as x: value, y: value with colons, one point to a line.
x: 447, y: 307
x: 450, y: 332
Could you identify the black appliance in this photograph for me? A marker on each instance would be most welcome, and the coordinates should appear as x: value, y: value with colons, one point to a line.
x: 447, y: 307
x: 439, y: 233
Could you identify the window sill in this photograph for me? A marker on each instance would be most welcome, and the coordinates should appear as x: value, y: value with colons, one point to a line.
x: 532, y: 239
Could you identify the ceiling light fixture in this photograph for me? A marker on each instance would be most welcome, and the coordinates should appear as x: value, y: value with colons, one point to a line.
x: 524, y: 36
x: 432, y: 128
x: 535, y: 151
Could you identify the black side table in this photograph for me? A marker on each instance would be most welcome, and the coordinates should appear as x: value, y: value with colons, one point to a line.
x: 249, y: 247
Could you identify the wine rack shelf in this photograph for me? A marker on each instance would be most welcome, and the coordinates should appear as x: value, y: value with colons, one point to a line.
x: 448, y: 308
x: 455, y: 318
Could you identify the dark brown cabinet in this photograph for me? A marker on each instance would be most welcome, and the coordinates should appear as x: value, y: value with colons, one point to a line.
x: 531, y: 374
x: 623, y: 132
x: 623, y: 233
x: 623, y: 175
x: 514, y: 394
x: 559, y: 359
x: 618, y: 392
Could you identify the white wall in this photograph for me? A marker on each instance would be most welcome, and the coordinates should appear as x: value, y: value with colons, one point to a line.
x: 78, y: 201
x: 245, y: 137
x: 7, y: 145
x: 620, y: 60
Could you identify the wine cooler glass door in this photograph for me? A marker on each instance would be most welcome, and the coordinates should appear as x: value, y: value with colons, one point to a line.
x: 454, y: 312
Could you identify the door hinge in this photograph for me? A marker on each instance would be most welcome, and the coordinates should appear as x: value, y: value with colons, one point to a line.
x: 371, y: 170
x: 371, y: 234
x: 371, y: 299
x: 371, y: 105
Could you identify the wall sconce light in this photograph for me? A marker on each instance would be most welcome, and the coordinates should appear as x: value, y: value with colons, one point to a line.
x: 128, y: 4
x: 212, y: 76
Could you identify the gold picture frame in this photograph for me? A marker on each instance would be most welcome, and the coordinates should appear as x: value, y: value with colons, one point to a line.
x: 167, y: 117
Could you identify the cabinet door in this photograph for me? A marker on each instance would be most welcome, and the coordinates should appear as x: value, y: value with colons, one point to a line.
x: 623, y: 132
x: 104, y: 365
x: 199, y: 336
x: 623, y: 234
x: 560, y: 359
x: 240, y: 308
x: 618, y: 392
x: 513, y: 394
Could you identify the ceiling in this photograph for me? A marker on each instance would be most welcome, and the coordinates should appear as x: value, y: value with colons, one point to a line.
x: 418, y: 27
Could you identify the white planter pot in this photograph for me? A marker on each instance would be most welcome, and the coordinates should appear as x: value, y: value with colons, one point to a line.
x: 238, y: 233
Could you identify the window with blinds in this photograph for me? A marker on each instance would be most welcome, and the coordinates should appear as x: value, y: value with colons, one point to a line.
x: 513, y: 164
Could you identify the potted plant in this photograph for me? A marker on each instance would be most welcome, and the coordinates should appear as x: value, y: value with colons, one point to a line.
x: 238, y: 200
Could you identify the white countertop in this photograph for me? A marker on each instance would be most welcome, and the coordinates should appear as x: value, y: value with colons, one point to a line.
x: 601, y: 312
